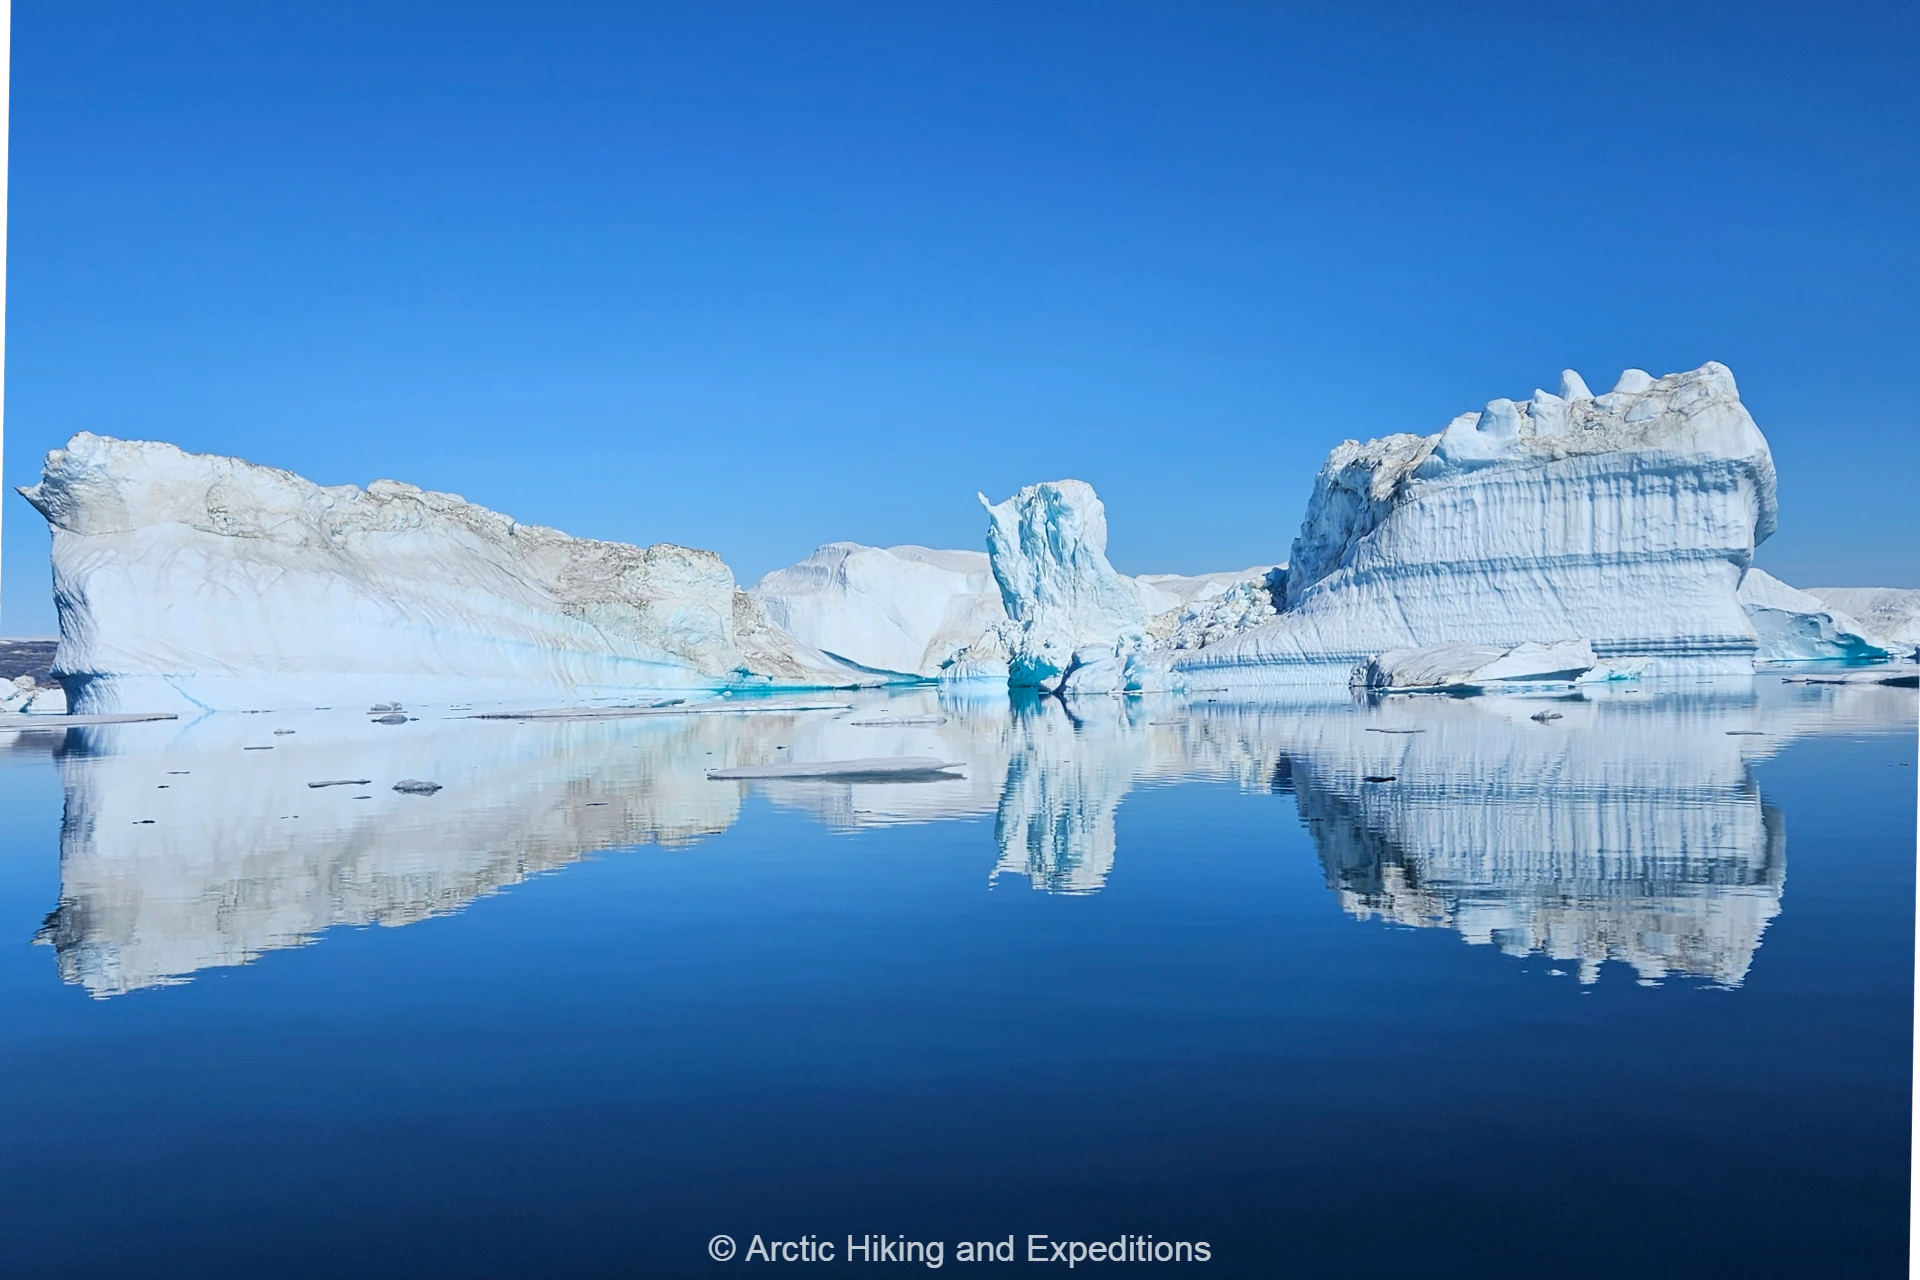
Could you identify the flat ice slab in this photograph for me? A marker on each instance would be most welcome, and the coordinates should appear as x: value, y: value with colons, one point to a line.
x: 716, y: 707
x: 63, y: 722
x: 873, y: 770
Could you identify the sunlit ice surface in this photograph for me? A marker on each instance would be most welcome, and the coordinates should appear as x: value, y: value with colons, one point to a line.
x: 1403, y: 985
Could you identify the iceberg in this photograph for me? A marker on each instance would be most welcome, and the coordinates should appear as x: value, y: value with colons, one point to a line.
x: 1891, y: 613
x: 1795, y: 626
x: 1048, y: 547
x: 1626, y: 519
x: 902, y: 611
x: 188, y: 581
x: 1074, y: 623
x: 23, y: 695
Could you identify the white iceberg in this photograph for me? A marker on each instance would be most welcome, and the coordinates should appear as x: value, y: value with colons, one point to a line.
x: 1048, y: 546
x: 1627, y: 519
x: 1077, y: 624
x: 1476, y: 666
x: 23, y: 695
x: 903, y: 611
x: 190, y: 580
x: 1891, y: 613
x: 1796, y: 626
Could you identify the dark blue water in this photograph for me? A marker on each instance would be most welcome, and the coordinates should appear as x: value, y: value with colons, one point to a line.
x: 1173, y: 972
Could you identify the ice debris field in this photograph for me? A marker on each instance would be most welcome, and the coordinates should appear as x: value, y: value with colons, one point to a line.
x: 1568, y: 538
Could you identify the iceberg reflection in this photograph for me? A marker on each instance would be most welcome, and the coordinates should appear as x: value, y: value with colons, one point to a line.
x: 1619, y: 827
x: 1610, y: 834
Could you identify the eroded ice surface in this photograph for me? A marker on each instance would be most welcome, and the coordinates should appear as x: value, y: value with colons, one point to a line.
x: 1048, y: 547
x: 189, y: 581
x: 1625, y: 827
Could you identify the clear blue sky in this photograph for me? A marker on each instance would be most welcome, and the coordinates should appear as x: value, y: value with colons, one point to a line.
x: 758, y: 277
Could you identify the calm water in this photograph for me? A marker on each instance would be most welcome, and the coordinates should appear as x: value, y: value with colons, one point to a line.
x: 1629, y: 991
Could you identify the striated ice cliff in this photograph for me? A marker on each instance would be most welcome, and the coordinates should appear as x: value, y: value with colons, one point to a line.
x: 1796, y: 626
x: 1625, y: 519
x: 204, y: 581
x: 900, y: 610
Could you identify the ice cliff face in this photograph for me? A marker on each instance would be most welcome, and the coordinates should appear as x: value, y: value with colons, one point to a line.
x: 1048, y: 546
x: 900, y: 610
x: 1796, y: 626
x: 1626, y: 520
x: 206, y: 581
x: 1891, y: 613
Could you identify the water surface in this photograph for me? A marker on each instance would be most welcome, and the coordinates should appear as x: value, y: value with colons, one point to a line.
x: 1540, y: 995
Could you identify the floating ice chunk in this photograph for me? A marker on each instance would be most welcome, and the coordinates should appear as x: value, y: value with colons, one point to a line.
x: 1095, y: 670
x: 869, y: 770
x: 1455, y: 666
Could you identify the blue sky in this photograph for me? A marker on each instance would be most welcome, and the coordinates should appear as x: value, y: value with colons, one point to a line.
x: 757, y: 277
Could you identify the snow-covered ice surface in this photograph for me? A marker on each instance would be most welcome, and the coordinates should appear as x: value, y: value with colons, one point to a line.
x: 901, y: 610
x: 1891, y: 613
x: 195, y: 581
x: 1796, y: 626
x: 1625, y: 519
